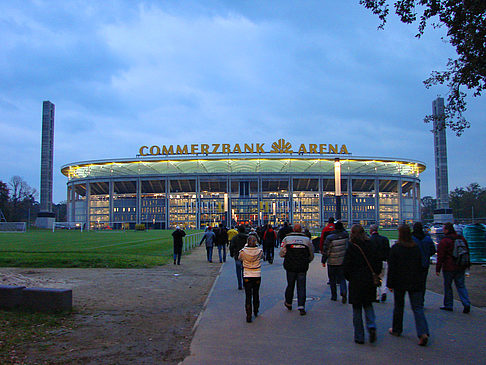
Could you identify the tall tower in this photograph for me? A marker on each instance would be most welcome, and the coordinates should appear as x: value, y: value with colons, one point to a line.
x: 442, y: 214
x: 46, y: 217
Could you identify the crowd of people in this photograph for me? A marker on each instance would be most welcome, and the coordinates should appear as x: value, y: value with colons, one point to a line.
x: 362, y: 265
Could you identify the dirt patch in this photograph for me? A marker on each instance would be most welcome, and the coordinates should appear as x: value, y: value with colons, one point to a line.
x: 121, y: 316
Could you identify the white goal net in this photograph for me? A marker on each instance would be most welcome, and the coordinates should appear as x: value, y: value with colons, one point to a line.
x: 12, y: 226
x: 67, y: 225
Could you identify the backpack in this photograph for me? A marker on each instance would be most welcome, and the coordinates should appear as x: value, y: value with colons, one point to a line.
x: 460, y: 253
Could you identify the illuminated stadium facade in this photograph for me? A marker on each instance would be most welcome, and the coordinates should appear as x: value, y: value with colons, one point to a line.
x: 198, y: 185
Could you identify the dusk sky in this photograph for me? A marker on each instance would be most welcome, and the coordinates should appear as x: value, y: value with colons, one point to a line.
x: 123, y: 74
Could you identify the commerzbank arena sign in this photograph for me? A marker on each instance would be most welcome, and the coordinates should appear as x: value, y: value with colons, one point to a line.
x: 281, y: 146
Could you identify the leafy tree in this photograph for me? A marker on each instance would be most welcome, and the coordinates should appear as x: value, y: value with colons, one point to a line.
x: 465, y: 21
x: 428, y: 206
x: 469, y: 201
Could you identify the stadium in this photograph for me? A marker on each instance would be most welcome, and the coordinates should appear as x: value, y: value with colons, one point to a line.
x: 203, y: 184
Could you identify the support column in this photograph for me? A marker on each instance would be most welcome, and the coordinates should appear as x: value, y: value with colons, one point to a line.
x: 377, y: 201
x: 88, y: 204
x: 198, y: 203
x: 259, y: 198
x: 167, y: 205
x: 321, y: 213
x: 350, y: 201
x: 139, y: 200
x: 400, y: 202
x: 291, y: 201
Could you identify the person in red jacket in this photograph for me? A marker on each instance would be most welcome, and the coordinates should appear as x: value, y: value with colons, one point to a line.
x: 451, y: 271
x: 326, y: 231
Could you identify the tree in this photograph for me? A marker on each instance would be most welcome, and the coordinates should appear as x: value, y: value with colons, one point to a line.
x: 428, y: 206
x: 468, y: 202
x: 22, y: 199
x: 465, y: 21
x: 4, y: 199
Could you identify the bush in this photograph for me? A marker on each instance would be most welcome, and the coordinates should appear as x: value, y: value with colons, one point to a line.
x: 140, y: 227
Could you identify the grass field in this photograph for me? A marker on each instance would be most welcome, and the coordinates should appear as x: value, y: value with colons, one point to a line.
x: 120, y: 249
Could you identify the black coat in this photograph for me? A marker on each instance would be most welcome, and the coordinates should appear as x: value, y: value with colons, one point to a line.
x: 405, y: 271
x: 361, y: 288
x: 178, y: 234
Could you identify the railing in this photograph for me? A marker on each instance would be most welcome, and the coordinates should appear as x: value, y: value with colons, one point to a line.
x: 192, y: 240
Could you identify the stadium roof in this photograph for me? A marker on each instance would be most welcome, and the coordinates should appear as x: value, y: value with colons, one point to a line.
x: 241, y: 164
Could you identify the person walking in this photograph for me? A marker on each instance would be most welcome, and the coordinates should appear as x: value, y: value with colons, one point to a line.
x: 298, y: 252
x: 237, y: 244
x: 427, y: 249
x: 451, y: 270
x: 382, y: 245
x: 221, y: 242
x: 251, y: 257
x: 178, y: 243
x: 334, y: 249
x: 405, y: 274
x: 269, y: 239
x: 209, y: 237
x: 325, y: 232
x: 231, y: 233
x: 282, y: 232
x: 360, y: 266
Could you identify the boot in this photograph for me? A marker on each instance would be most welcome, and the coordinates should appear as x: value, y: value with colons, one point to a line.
x: 255, y: 310
x: 248, y: 313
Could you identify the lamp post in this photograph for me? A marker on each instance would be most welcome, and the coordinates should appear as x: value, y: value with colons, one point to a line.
x: 337, y: 186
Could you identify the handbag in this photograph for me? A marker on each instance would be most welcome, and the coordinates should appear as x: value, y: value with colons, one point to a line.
x: 375, y: 277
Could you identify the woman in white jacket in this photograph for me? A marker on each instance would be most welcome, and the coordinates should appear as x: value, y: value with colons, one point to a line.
x: 251, y: 257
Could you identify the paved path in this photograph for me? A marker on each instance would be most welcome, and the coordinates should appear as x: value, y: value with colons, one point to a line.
x: 325, y: 334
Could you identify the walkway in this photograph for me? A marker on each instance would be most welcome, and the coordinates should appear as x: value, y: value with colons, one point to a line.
x: 325, y: 334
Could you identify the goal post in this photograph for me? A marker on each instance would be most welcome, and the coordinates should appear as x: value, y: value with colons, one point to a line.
x: 13, y: 227
x: 68, y: 226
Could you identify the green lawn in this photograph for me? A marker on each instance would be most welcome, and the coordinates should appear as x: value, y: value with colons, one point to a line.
x: 62, y: 248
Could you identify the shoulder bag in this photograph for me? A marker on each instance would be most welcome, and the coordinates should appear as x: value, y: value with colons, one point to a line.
x: 376, y: 278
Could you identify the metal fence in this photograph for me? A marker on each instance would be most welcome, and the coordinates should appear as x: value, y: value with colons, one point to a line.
x: 192, y: 240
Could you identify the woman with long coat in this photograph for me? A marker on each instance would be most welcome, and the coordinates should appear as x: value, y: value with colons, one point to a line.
x: 362, y: 290
x: 406, y: 274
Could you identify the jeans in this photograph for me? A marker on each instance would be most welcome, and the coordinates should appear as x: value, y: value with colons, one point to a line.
x: 458, y: 278
x: 252, y: 287
x: 336, y: 276
x: 298, y: 277
x: 177, y: 256
x: 268, y: 254
x: 382, y: 289
x: 222, y: 258
x: 239, y: 273
x: 358, y: 320
x: 417, y: 303
x: 209, y: 252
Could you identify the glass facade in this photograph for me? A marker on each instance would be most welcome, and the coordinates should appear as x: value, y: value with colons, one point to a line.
x: 230, y: 191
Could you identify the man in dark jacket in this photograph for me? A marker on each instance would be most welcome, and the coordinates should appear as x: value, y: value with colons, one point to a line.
x: 221, y: 241
x: 382, y: 247
x: 451, y: 271
x: 237, y: 243
x: 334, y: 249
x: 269, y: 239
x: 177, y: 235
x: 298, y: 252
x: 282, y: 232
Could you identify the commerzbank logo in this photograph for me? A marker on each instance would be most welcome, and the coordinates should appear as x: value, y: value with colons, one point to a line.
x: 280, y: 146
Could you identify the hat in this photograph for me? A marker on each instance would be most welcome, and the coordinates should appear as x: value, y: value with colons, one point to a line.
x: 178, y: 227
